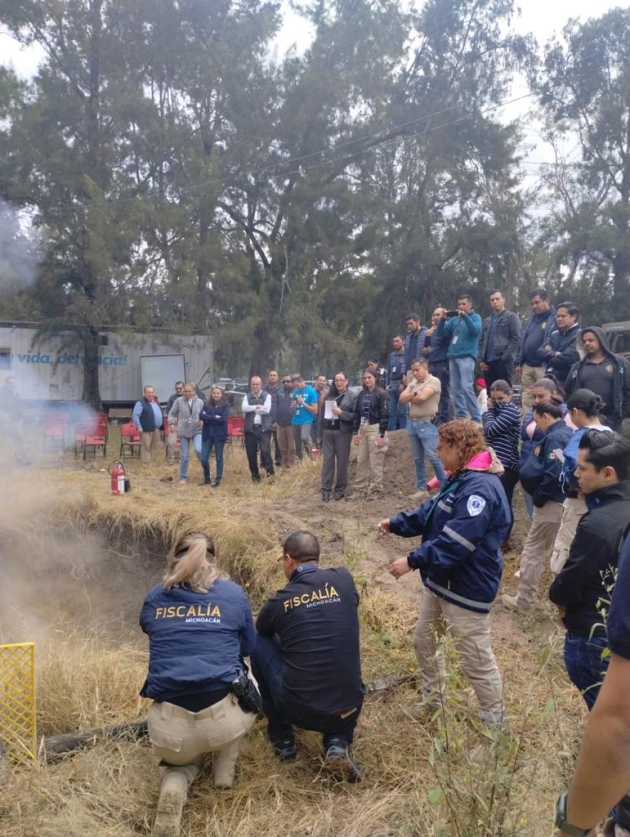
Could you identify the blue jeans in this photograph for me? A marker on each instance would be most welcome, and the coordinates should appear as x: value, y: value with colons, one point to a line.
x: 397, y: 411
x: 206, y: 447
x: 585, y: 665
x: 184, y: 455
x: 423, y: 436
x: 282, y: 714
x: 462, y: 370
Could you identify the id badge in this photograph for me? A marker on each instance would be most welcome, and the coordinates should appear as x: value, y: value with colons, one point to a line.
x: 454, y: 340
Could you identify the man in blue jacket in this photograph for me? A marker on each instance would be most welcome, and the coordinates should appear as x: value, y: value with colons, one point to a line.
x: 535, y: 334
x: 395, y: 384
x: 559, y: 353
x: 540, y: 477
x: 463, y: 331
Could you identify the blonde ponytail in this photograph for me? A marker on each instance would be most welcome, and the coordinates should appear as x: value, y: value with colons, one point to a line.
x: 191, y: 563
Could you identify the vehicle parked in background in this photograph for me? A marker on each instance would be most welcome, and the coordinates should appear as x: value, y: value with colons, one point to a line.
x: 619, y: 337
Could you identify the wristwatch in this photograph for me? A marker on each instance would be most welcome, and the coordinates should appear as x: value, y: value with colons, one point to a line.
x: 561, y: 820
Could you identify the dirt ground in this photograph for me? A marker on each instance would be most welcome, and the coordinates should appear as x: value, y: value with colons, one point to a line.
x: 81, y: 573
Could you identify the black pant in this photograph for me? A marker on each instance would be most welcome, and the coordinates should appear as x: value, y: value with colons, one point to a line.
x: 336, y: 447
x: 440, y: 370
x: 255, y: 440
x: 282, y: 712
x: 499, y: 370
x: 509, y: 481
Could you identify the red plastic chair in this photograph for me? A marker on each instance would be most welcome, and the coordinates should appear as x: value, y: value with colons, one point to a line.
x: 129, y: 439
x: 236, y: 429
x: 82, y: 430
x: 55, y: 429
x: 95, y: 441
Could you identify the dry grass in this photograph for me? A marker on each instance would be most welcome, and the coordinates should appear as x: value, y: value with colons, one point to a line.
x: 85, y: 679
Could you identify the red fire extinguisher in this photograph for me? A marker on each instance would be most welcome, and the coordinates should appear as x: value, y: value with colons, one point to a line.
x: 117, y: 474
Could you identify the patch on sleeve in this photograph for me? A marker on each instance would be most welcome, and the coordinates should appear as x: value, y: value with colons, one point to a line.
x: 475, y: 505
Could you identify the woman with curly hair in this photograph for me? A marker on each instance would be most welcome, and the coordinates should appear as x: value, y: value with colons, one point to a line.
x: 460, y: 563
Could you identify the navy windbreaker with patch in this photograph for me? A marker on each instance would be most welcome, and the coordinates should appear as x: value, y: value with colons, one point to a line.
x: 196, y: 640
x: 463, y: 527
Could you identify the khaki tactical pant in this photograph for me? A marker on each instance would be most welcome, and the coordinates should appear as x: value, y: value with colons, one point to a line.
x: 370, y: 459
x: 573, y: 509
x: 529, y: 376
x: 471, y: 632
x: 287, y: 445
x: 540, y: 538
x: 180, y: 737
x: 149, y: 443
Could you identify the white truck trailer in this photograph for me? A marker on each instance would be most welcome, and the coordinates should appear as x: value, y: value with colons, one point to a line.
x: 50, y: 370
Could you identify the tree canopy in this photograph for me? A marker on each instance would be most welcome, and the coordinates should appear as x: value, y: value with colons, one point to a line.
x: 184, y: 173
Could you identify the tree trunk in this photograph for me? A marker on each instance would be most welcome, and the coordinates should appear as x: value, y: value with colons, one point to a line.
x: 91, y: 390
x: 621, y: 281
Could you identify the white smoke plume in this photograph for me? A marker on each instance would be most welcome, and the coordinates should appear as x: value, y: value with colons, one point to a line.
x: 21, y: 250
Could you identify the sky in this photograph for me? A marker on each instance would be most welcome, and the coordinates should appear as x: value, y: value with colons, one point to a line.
x: 542, y: 18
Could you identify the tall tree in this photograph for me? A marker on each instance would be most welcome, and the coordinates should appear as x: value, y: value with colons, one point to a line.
x: 67, y: 147
x: 584, y: 89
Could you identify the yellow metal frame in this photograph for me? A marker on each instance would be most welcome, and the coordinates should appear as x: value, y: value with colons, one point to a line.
x: 18, y: 730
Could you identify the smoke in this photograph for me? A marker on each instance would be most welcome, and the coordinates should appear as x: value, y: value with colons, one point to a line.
x: 21, y: 250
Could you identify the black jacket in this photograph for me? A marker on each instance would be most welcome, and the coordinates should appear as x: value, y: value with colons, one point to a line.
x: 620, y: 408
x: 315, y: 618
x: 563, y: 342
x: 345, y: 421
x: 584, y: 582
x: 540, y: 475
x: 507, y: 336
x: 378, y: 411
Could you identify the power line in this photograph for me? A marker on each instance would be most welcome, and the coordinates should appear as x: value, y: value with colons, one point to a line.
x: 282, y: 165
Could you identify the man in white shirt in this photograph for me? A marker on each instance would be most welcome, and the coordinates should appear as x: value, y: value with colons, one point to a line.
x: 258, y: 425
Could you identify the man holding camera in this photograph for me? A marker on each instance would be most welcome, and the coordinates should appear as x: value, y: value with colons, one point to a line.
x: 306, y: 660
x: 463, y: 328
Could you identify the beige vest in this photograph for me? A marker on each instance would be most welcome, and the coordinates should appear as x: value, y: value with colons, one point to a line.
x: 427, y: 409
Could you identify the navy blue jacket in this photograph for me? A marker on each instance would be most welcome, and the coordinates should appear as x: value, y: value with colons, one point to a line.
x: 196, y: 640
x: 409, y: 358
x: 619, y: 615
x: 540, y: 475
x: 214, y: 418
x: 563, y: 342
x: 535, y: 334
x: 396, y: 367
x: 438, y: 344
x: 462, y: 530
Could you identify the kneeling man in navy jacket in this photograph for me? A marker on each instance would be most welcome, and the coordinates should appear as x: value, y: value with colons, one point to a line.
x: 307, y: 659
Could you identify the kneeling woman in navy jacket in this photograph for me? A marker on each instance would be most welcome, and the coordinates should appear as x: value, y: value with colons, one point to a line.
x: 200, y: 629
x: 460, y: 563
